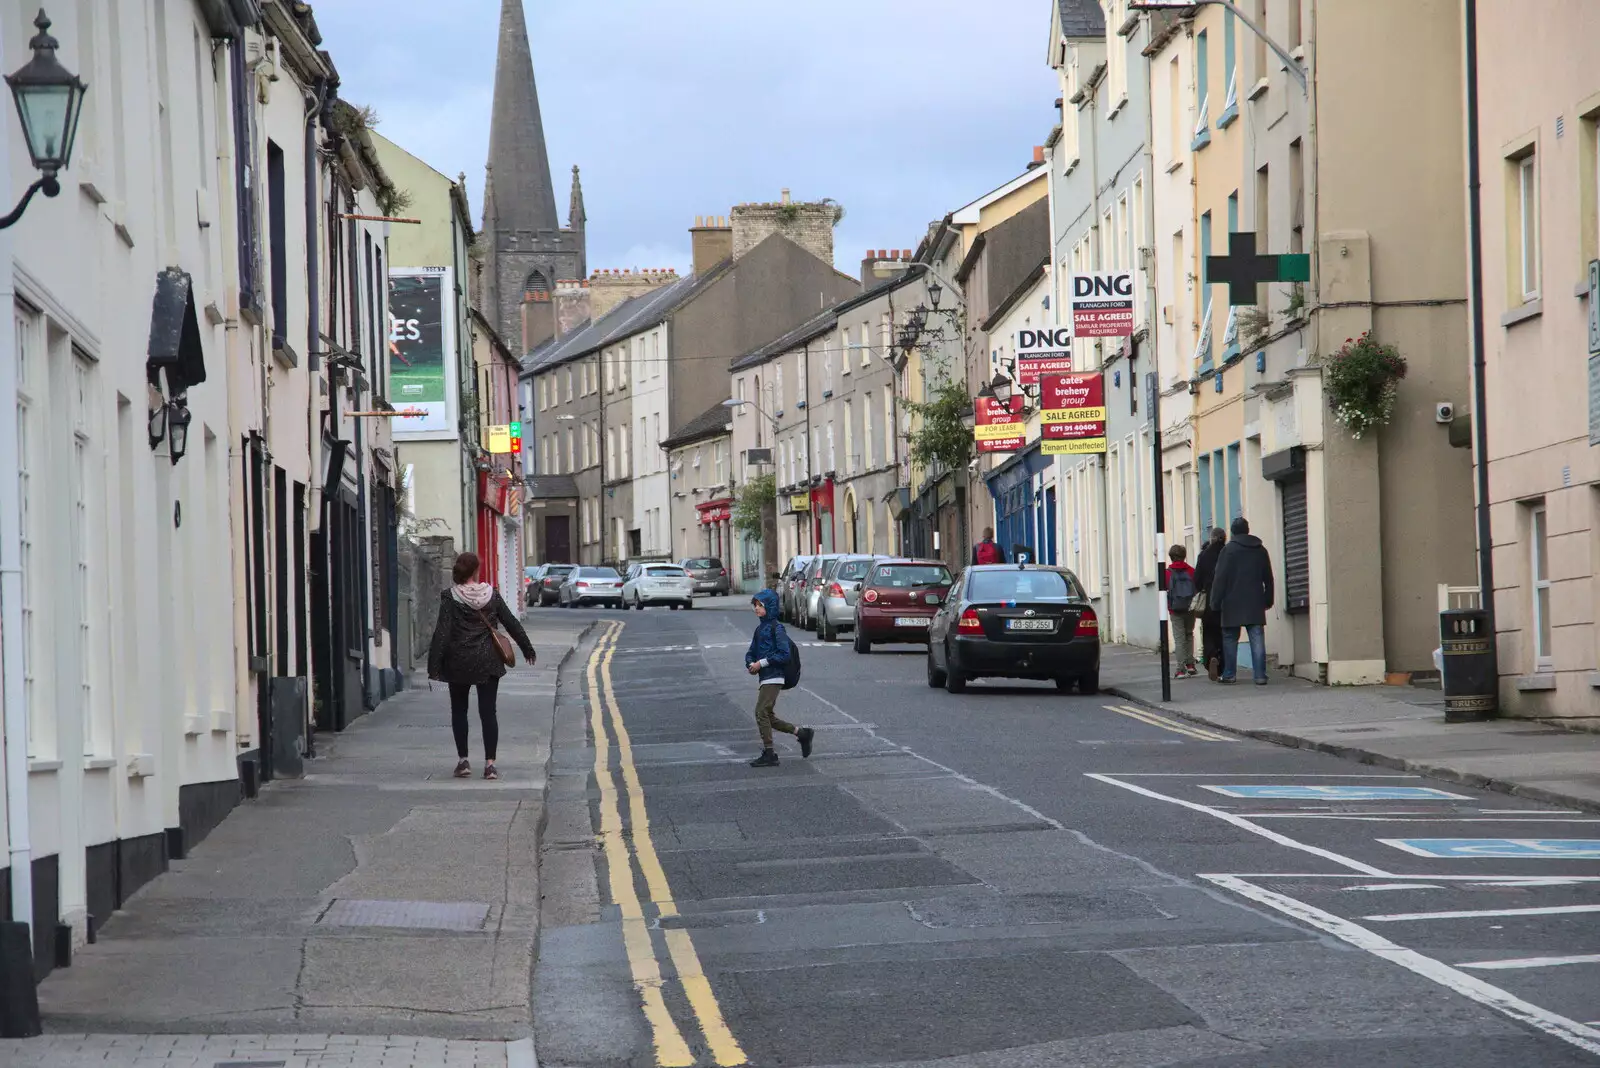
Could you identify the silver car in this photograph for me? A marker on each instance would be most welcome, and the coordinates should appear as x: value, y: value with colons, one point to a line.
x: 709, y: 574
x: 810, y: 587
x: 591, y: 585
x: 658, y: 584
x: 788, y: 585
x: 836, y: 598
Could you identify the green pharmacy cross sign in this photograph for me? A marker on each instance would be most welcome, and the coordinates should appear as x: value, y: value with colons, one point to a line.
x: 1242, y: 269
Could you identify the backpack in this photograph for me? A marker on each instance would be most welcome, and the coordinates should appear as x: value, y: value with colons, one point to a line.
x: 989, y: 553
x: 791, y: 667
x: 1180, y: 590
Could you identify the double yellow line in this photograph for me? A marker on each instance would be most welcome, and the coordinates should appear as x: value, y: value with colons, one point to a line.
x: 672, y: 1051
x: 1165, y: 724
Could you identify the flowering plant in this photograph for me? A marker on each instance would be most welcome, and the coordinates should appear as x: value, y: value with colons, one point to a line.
x: 1362, y: 382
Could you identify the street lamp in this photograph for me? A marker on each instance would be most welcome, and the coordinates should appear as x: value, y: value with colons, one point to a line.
x: 178, y: 421
x: 969, y: 418
x: 49, y: 100
x: 935, y: 293
x: 1000, y: 386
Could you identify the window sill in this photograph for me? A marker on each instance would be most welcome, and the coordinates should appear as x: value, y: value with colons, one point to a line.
x: 99, y: 763
x: 1201, y: 140
x: 1257, y: 89
x: 1581, y: 290
x: 1229, y: 116
x: 43, y: 766
x: 1530, y: 310
x: 1116, y: 109
x: 1172, y: 168
x: 1072, y: 165
x: 1594, y: 680
x: 1544, y: 680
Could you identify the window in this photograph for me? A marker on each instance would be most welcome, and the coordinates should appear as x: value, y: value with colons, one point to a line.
x: 1116, y: 53
x: 844, y: 350
x: 1258, y: 67
x: 866, y: 344
x: 1124, y: 235
x: 1297, y: 196
x: 611, y: 449
x: 277, y: 244
x: 1296, y: 36
x: 30, y: 380
x: 833, y: 460
x: 1202, y: 75
x: 1147, y: 503
x: 777, y: 388
x: 721, y: 454
x: 1069, y: 112
x: 571, y: 450
x: 625, y: 451
x: 1263, y: 211
x: 1526, y: 243
x: 1230, y: 71
x: 569, y: 385
x: 849, y: 441
x: 891, y: 450
x: 642, y: 442
x: 661, y: 459
x: 827, y: 370
x: 1205, y: 289
x: 610, y: 358
x: 1208, y: 516
x: 544, y: 455
x: 869, y: 449
x: 655, y: 354
x: 1539, y: 571
x: 1177, y: 124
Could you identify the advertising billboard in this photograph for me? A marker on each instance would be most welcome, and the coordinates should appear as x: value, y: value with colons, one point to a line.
x: 1102, y: 304
x: 998, y: 427
x: 423, y: 365
x: 1043, y: 351
x: 1072, y: 414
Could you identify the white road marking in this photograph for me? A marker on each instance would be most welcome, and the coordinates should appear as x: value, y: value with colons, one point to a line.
x: 1531, y: 962
x: 1244, y: 824
x: 1393, y: 886
x: 1410, y: 817
x: 1469, y: 914
x: 1254, y: 775
x: 1571, y: 1031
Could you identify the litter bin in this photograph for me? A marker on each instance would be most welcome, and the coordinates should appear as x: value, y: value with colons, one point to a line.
x: 1471, y: 690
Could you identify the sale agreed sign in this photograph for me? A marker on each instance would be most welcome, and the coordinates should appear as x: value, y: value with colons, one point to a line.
x: 1102, y: 304
x: 1072, y: 414
x: 1043, y: 351
x: 998, y: 427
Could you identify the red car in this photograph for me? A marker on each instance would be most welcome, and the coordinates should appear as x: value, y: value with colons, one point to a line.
x: 898, y: 600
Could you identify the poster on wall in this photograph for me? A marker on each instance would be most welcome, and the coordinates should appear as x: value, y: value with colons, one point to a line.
x: 1043, y: 351
x: 1072, y: 414
x: 999, y: 427
x: 1102, y: 304
x: 422, y: 351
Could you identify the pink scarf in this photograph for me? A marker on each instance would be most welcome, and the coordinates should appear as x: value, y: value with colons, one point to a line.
x: 475, y: 595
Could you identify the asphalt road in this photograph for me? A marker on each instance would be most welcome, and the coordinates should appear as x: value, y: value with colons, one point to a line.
x: 1018, y: 877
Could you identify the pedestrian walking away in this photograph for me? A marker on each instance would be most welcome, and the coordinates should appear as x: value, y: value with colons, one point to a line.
x: 770, y: 653
x: 1181, y: 595
x: 467, y: 652
x: 1204, y: 606
x: 1243, y: 593
x: 986, y: 551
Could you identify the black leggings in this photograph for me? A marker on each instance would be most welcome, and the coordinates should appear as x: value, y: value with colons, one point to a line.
x: 487, y: 691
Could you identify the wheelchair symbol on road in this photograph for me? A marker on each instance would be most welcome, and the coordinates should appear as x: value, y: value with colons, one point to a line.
x: 1522, y: 848
x: 1338, y: 793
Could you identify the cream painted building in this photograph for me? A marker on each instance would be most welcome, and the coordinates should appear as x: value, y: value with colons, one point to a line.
x: 1539, y: 150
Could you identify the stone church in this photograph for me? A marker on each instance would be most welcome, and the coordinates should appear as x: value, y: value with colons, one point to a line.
x: 526, y: 250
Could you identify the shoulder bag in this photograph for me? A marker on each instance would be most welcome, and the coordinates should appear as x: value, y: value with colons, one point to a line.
x: 502, y: 643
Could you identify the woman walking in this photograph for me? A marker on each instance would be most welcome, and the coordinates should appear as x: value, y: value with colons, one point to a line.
x: 466, y: 653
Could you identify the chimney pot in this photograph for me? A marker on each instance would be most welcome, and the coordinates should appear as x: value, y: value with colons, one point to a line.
x: 786, y: 196
x: 906, y: 254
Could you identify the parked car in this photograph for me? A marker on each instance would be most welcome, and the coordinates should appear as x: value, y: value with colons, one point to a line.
x: 1015, y: 622
x: 898, y: 600
x: 709, y: 575
x: 530, y: 579
x: 793, y: 573
x: 810, y: 586
x: 592, y: 585
x: 657, y: 584
x: 551, y: 576
x: 836, y: 602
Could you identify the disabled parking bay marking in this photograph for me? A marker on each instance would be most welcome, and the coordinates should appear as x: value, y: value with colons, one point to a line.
x: 1337, y: 793
x: 1520, y: 848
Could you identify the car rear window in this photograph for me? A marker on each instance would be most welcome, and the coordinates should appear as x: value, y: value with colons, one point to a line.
x: 852, y: 569
x: 597, y: 572
x: 557, y: 570
x: 664, y: 572
x: 1019, y: 585
x: 905, y: 576
x: 703, y: 562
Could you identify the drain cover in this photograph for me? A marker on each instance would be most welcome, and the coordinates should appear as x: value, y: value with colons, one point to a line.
x: 425, y: 915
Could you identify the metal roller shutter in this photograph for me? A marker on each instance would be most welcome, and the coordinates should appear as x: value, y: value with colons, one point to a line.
x: 1296, y: 553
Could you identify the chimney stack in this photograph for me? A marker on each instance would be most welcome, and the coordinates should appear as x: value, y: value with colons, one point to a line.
x: 711, y: 239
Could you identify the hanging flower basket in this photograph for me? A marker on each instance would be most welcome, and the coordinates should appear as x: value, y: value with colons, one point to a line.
x: 1362, y: 382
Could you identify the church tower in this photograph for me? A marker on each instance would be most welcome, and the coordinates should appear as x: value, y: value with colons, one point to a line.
x: 526, y: 249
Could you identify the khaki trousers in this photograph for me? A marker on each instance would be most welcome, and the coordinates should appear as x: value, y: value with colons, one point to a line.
x: 767, y: 719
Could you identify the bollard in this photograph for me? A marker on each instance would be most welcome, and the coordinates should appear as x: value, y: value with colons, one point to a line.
x: 1471, y: 692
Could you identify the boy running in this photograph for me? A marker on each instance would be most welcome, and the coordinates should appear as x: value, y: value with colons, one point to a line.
x: 766, y: 657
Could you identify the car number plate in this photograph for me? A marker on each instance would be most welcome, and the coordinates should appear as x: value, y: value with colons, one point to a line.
x: 1030, y: 624
x: 912, y: 621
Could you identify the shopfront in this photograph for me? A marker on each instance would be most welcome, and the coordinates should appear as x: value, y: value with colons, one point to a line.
x: 715, y: 517
x: 824, y: 535
x: 1024, y: 512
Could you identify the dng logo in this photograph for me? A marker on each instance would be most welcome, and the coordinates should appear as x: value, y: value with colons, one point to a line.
x: 1090, y: 286
x: 1053, y: 340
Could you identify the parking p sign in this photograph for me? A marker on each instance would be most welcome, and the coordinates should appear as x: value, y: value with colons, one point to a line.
x: 1102, y: 304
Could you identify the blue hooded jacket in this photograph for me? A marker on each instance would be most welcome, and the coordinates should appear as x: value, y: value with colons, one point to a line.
x: 770, y: 642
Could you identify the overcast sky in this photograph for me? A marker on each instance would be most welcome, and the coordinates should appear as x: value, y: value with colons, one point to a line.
x: 901, y: 110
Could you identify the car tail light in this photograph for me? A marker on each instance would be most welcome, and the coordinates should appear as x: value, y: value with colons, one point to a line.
x: 870, y: 596
x: 1088, y: 624
x: 722, y: 571
x: 969, y: 620
x: 585, y: 585
x: 835, y: 590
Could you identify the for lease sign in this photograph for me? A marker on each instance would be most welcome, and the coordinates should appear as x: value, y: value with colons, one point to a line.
x: 998, y: 427
x: 1102, y: 304
x: 1072, y: 414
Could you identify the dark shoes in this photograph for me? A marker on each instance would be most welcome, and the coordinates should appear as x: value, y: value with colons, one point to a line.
x: 767, y: 759
x: 805, y: 734
x: 490, y: 771
x: 464, y: 769
x: 1214, y: 669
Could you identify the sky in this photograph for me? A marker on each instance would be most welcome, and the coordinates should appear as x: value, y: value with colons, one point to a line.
x: 900, y: 110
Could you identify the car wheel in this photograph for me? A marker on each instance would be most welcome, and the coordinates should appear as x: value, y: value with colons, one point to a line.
x: 861, y: 643
x: 1064, y: 683
x: 830, y: 633
x: 688, y: 604
x: 1090, y: 683
x: 935, y: 676
x: 954, y: 681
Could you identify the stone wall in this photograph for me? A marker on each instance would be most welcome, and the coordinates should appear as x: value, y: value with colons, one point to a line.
x: 809, y: 225
x: 607, y: 289
x: 424, y: 565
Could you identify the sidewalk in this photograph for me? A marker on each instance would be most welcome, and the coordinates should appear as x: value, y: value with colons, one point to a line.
x: 376, y: 912
x: 1393, y: 726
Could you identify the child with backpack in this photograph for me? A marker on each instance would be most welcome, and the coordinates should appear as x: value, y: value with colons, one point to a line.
x: 774, y: 658
x: 1181, y: 592
x: 986, y: 551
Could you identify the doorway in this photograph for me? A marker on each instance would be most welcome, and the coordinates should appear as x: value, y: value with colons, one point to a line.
x: 557, y: 539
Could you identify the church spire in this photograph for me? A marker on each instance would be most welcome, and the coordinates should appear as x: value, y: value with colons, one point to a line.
x: 524, y: 196
x: 576, y: 216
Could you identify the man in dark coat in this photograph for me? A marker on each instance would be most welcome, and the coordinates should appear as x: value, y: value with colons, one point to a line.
x: 1205, y: 570
x: 1242, y: 592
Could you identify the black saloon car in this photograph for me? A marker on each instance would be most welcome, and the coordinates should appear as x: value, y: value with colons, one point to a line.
x: 1016, y: 622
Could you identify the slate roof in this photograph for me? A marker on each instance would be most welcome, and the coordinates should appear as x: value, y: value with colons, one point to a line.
x: 1082, y: 18
x: 821, y: 323
x: 552, y: 487
x: 713, y: 422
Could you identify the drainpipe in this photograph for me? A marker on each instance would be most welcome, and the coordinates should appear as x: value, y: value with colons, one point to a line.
x: 1480, y: 392
x: 11, y: 666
